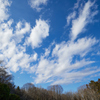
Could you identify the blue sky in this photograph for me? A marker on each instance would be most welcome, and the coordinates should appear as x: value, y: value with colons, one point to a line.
x: 47, y: 42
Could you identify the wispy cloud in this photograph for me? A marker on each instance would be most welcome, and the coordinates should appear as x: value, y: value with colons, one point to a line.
x: 85, y: 16
x: 76, y: 5
x: 63, y: 60
x: 70, y: 17
x: 35, y: 4
x: 68, y: 61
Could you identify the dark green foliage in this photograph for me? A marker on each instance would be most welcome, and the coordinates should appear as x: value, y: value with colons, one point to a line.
x: 94, y: 85
x: 6, y: 85
x: 14, y: 97
x: 18, y: 88
x: 4, y: 92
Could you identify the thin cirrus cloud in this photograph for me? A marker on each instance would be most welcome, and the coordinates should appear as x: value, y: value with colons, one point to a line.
x: 61, y: 66
x: 35, y: 4
x: 12, y: 40
x: 70, y: 17
x: 85, y: 17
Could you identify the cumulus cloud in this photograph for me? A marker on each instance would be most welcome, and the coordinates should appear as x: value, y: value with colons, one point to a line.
x: 12, y: 40
x: 38, y: 33
x: 35, y: 4
x: 22, y: 28
x: 12, y: 50
x: 13, y: 53
x: 5, y: 34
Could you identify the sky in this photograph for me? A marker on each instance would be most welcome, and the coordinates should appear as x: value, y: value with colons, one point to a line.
x: 49, y: 42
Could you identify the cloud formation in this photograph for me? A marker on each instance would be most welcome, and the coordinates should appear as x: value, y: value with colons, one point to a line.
x: 12, y: 52
x: 21, y: 29
x: 38, y: 33
x: 68, y: 61
x: 85, y: 17
x: 35, y: 4
x: 64, y: 63
x: 4, y: 4
x: 12, y: 40
x: 61, y: 63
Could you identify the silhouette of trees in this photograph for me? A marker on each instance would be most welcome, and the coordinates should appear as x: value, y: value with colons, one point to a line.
x: 4, y: 76
x: 4, y: 92
x: 94, y: 85
x: 14, y: 97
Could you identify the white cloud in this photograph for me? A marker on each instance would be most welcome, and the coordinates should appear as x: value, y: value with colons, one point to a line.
x: 21, y: 29
x: 70, y: 17
x: 69, y: 61
x: 85, y: 17
x: 76, y: 4
x: 38, y: 33
x: 5, y: 34
x: 80, y: 47
x: 4, y: 10
x: 47, y: 52
x: 76, y: 76
x: 16, y: 58
x: 35, y: 4
x: 63, y: 60
x: 11, y: 51
x: 98, y: 53
x: 65, y: 63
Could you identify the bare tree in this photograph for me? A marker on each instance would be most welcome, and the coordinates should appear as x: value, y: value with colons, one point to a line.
x: 56, y: 91
x: 88, y: 94
x: 5, y: 77
x: 56, y: 88
x: 27, y: 86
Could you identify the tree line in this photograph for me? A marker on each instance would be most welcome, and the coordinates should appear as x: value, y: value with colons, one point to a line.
x: 8, y: 91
